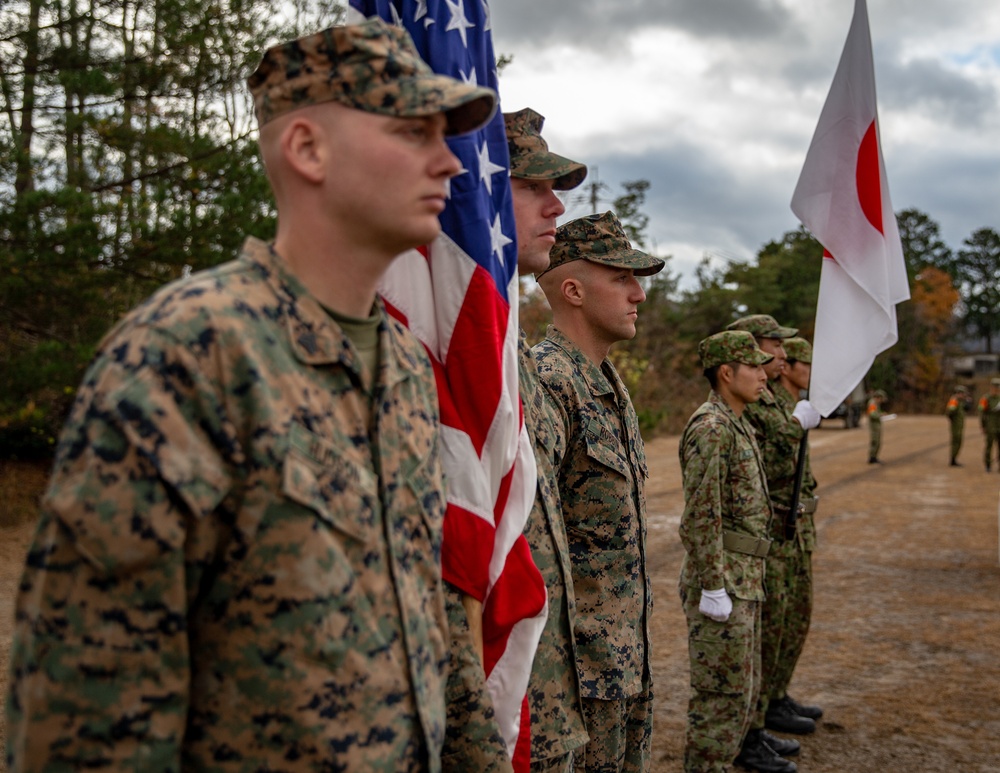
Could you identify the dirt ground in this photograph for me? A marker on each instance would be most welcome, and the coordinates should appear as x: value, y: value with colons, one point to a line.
x: 904, y: 652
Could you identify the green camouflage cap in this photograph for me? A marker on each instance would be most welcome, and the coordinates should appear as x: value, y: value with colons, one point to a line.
x: 530, y: 157
x: 600, y: 239
x: 370, y: 66
x: 995, y: 382
x: 731, y: 346
x: 762, y: 326
x: 798, y: 349
x: 961, y: 390
x: 881, y: 394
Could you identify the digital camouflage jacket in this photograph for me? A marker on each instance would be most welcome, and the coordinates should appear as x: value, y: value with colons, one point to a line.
x: 230, y: 573
x: 601, y: 468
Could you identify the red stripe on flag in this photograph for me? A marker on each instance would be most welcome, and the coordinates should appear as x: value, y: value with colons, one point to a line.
x: 475, y: 356
x: 869, y: 182
x: 510, y: 601
x: 465, y: 567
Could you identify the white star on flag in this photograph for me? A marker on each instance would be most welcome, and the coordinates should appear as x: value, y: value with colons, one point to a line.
x: 487, y: 168
x: 497, y: 238
x: 458, y: 20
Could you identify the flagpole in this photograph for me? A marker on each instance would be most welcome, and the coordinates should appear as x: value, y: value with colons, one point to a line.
x: 791, y: 522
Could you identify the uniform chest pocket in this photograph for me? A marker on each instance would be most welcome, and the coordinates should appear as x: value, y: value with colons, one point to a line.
x: 340, y: 490
x: 606, y: 451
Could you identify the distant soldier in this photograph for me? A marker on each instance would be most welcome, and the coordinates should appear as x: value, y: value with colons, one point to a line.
x: 989, y: 421
x: 958, y: 403
x: 724, y: 530
x: 557, y: 725
x: 598, y: 452
x: 237, y: 565
x: 875, y: 415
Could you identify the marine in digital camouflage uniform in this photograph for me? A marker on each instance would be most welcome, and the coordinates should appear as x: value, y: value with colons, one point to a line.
x: 237, y: 565
x: 989, y: 422
x: 601, y: 470
x: 778, y: 435
x: 724, y: 531
x: 875, y: 414
x: 557, y: 726
x: 955, y: 411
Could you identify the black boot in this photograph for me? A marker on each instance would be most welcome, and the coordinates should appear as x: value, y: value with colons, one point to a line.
x: 783, y: 747
x: 782, y: 717
x: 757, y: 755
x: 813, y: 712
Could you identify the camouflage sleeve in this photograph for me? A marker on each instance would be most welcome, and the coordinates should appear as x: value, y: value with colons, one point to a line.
x: 706, y: 446
x: 561, y: 426
x: 100, y: 661
x: 472, y: 737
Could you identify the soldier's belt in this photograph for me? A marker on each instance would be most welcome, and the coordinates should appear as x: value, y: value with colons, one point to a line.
x: 744, y: 543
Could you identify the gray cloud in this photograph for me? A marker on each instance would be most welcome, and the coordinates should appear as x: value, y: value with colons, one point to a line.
x: 932, y: 87
x: 599, y: 23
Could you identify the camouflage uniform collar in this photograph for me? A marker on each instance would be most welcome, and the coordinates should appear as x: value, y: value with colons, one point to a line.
x: 597, y: 382
x: 767, y: 396
x: 313, y: 335
x: 719, y: 402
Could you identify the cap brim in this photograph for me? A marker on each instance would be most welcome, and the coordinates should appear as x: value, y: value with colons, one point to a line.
x: 545, y: 165
x: 466, y: 107
x: 757, y: 358
x: 781, y: 332
x: 640, y: 263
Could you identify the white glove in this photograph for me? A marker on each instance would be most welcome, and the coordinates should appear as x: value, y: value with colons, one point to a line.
x: 806, y: 415
x: 716, y: 604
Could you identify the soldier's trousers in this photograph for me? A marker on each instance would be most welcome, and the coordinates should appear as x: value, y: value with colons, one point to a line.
x: 785, y: 615
x: 725, y: 682
x: 991, y: 439
x: 621, y: 735
x: 874, y: 438
x: 956, y: 442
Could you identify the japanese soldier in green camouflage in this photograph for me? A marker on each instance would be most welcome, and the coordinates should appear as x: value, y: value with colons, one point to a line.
x: 955, y: 410
x: 779, y: 429
x: 557, y: 725
x: 989, y: 422
x: 237, y: 565
x: 724, y: 531
x: 789, y: 564
x: 600, y: 465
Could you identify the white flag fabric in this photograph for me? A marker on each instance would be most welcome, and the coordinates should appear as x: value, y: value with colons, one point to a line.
x: 842, y: 197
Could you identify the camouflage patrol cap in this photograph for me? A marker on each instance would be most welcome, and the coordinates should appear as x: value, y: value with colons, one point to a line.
x: 600, y: 239
x: 961, y: 390
x: 880, y: 394
x: 731, y: 346
x: 798, y: 349
x: 762, y: 326
x: 370, y: 66
x: 530, y: 157
x: 995, y: 382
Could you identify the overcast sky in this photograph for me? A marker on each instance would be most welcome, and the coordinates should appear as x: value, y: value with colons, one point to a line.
x: 715, y: 102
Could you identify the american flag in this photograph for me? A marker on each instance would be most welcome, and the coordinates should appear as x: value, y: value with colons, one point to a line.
x: 459, y: 296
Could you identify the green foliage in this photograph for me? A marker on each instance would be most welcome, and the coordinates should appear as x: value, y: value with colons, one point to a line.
x: 628, y: 207
x: 128, y: 157
x: 977, y: 266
